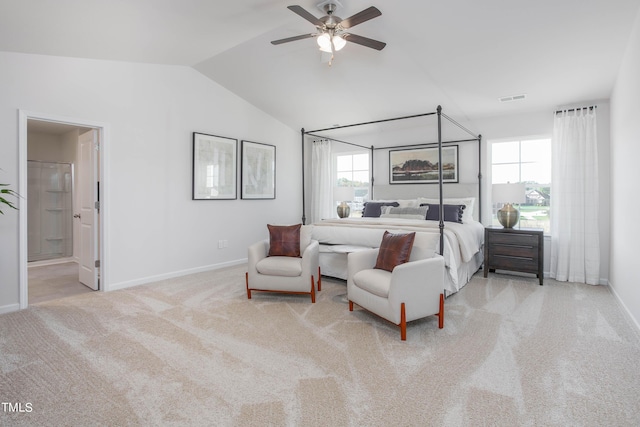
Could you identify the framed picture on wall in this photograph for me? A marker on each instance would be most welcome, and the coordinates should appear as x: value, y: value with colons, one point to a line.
x: 420, y: 165
x: 215, y: 167
x: 258, y: 171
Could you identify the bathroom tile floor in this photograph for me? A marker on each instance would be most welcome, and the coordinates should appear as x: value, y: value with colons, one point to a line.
x: 54, y: 281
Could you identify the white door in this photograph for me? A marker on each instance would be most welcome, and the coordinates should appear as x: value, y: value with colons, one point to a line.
x: 88, y: 215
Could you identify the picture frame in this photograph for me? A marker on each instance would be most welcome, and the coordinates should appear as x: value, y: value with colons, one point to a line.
x: 420, y: 165
x: 258, y: 178
x: 215, y: 167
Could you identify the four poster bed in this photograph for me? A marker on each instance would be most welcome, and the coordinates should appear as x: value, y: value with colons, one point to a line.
x: 446, y: 220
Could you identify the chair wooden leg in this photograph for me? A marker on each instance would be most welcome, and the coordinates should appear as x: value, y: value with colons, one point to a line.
x: 313, y: 291
x: 350, y: 305
x: 246, y: 277
x: 403, y: 323
x: 319, y: 280
x: 441, y: 313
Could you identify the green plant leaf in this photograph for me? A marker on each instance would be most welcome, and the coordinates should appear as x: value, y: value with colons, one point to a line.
x: 5, y: 201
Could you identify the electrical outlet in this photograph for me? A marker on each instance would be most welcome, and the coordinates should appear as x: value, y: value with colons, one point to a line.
x: 220, y: 244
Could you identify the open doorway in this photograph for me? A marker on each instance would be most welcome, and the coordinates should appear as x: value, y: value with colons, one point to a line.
x: 60, y: 227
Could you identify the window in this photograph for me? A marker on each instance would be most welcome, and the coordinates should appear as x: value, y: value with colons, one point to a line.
x: 352, y: 174
x: 527, y: 161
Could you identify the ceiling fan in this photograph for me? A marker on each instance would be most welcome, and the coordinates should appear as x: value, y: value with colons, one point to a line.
x: 331, y: 30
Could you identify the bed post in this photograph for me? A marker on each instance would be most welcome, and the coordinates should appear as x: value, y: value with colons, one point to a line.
x: 304, y: 218
x: 441, y: 223
x: 372, y: 178
x: 479, y: 178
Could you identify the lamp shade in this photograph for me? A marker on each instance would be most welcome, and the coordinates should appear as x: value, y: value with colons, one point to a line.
x: 343, y: 194
x: 509, y: 193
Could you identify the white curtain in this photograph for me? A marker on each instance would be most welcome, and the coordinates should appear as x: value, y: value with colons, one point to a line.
x: 575, y: 246
x: 322, y: 205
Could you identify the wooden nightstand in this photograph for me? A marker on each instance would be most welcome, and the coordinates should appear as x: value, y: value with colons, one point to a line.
x: 514, y: 249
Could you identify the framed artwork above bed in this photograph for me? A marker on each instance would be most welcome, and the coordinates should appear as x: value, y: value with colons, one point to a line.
x: 420, y: 165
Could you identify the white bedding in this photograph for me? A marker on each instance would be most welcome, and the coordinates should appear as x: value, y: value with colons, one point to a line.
x: 462, y: 241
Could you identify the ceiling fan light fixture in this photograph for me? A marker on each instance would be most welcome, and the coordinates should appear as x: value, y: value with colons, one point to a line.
x: 330, y: 29
x: 324, y: 41
x: 338, y: 42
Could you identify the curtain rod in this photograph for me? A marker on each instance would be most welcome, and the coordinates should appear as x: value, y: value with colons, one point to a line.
x: 591, y: 107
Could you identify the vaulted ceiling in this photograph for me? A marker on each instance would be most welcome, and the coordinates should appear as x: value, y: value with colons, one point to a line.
x: 462, y: 54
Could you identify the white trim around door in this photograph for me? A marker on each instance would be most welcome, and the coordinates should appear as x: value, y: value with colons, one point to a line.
x: 103, y: 137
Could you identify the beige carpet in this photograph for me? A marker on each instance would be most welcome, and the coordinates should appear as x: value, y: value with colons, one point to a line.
x: 195, y: 351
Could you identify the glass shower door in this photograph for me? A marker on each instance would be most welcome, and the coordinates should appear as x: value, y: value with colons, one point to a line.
x: 50, y: 204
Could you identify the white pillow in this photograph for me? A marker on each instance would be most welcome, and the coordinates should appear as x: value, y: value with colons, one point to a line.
x: 469, y: 202
x: 402, y: 203
x: 409, y: 203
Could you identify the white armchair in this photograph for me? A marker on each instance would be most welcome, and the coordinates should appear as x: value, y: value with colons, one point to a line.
x: 285, y: 274
x: 413, y: 290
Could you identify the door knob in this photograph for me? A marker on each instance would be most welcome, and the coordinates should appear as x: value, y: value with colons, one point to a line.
x: 76, y: 216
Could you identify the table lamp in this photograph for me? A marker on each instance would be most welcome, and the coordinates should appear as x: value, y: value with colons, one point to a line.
x: 343, y: 195
x: 509, y: 194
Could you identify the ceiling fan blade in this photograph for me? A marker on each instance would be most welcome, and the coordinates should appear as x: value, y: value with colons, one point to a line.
x: 306, y: 15
x: 292, y: 39
x: 360, y: 17
x: 364, y: 41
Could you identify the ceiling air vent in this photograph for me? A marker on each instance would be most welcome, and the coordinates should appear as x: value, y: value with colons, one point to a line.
x: 512, y: 98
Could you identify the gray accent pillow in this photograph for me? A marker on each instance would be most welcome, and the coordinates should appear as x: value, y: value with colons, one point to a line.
x: 417, y: 212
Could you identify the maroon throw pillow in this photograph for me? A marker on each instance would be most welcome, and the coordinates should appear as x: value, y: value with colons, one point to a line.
x: 284, y: 240
x: 395, y: 249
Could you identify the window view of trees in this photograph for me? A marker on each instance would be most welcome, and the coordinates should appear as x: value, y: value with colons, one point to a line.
x: 352, y: 171
x: 527, y: 161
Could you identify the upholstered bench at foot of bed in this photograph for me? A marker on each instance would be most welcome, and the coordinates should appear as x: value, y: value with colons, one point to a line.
x: 333, y: 259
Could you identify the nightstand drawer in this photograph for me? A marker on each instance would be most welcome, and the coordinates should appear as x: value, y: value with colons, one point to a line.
x: 526, y: 251
x: 506, y: 262
x: 514, y: 239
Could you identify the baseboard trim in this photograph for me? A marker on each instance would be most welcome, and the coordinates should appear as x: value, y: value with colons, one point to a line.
x: 157, y: 278
x: 9, y: 308
x: 634, y: 321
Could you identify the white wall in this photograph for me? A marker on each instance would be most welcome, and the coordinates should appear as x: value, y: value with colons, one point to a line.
x: 154, y: 229
x: 625, y: 152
